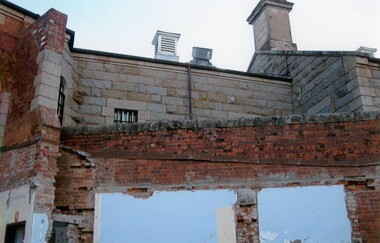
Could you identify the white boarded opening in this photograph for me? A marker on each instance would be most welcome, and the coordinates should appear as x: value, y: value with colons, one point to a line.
x: 178, y: 216
x: 303, y: 214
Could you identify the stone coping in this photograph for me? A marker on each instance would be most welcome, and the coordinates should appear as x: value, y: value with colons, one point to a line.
x: 170, y: 125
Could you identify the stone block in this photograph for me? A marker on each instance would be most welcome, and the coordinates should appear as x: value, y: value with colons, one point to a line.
x: 138, y: 97
x: 320, y: 106
x: 216, y: 97
x: 174, y: 84
x: 50, y: 56
x: 123, y: 86
x: 352, y: 84
x: 94, y: 120
x: 367, y: 101
x: 376, y: 74
x: 88, y: 100
x: 126, y: 104
x: 171, y: 109
x: 349, y: 62
x: 96, y: 66
x: 48, y: 79
x: 49, y: 67
x: 144, y: 116
x: 148, y: 81
x: 216, y: 114
x: 43, y: 101
x: 364, y: 72
x: 156, y: 99
x: 140, y: 88
x: 367, y: 91
x: 46, y: 91
x: 156, y: 108
x: 116, y: 94
x: 172, y: 101
x: 356, y: 105
x: 107, y: 111
x: 203, y: 104
x: 182, y: 93
x: 90, y: 109
x: 156, y: 90
x: 95, y: 92
x: 93, y: 83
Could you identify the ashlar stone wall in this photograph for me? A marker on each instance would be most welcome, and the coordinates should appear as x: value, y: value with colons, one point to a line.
x: 325, y: 82
x: 161, y: 91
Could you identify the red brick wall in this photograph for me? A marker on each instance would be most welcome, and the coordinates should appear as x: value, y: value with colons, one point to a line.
x: 256, y: 154
x: 31, y: 137
x: 10, y: 32
x: 47, y: 32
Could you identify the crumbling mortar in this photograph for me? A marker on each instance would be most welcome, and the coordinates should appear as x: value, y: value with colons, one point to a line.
x: 171, y: 125
x: 81, y: 154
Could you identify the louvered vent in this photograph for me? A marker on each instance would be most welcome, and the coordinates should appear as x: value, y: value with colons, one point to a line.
x: 166, y: 46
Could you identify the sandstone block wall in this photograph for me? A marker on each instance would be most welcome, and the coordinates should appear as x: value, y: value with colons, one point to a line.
x: 325, y: 82
x: 160, y: 91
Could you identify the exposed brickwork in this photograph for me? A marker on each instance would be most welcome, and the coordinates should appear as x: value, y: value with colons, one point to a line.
x: 31, y: 141
x: 156, y: 156
x: 47, y: 32
x: 138, y: 159
x: 363, y: 205
x: 325, y: 144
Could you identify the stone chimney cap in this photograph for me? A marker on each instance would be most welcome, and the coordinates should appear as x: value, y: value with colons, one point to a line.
x: 264, y: 3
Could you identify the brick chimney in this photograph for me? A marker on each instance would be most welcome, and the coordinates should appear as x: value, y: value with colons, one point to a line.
x: 271, y: 25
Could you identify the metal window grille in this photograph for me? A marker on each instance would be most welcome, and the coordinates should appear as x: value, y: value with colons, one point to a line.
x: 61, y: 100
x: 125, y: 116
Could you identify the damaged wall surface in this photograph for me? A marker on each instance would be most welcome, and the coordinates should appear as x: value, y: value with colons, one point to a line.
x: 52, y: 176
x: 232, y: 155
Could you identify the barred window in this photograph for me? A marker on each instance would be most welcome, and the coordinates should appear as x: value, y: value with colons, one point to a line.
x: 125, y: 116
x: 61, y: 99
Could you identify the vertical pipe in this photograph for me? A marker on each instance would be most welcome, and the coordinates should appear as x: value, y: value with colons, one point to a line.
x: 189, y: 84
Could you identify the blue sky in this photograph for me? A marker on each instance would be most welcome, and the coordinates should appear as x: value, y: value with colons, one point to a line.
x: 128, y: 26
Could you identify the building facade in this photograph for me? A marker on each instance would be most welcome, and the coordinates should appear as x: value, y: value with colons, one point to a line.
x: 294, y: 119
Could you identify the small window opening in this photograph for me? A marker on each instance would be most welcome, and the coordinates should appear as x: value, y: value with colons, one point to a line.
x: 61, y: 100
x: 125, y: 116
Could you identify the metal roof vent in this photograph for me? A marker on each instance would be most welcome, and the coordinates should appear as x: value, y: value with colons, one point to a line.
x: 165, y: 44
x: 202, y: 56
x: 367, y: 50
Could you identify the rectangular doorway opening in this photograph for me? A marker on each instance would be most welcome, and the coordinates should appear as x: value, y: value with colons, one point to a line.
x: 15, y: 233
